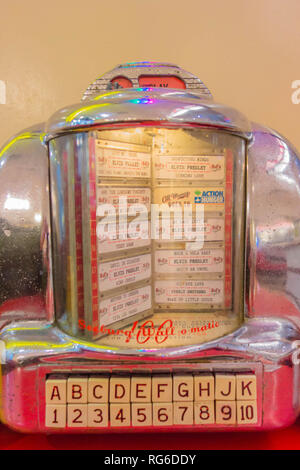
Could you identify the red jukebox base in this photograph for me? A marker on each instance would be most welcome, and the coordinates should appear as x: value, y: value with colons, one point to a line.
x: 284, y: 439
x: 69, y: 386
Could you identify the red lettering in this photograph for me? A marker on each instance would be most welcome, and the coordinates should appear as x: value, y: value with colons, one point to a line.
x: 94, y: 391
x: 247, y: 386
x: 120, y: 416
x: 162, y: 415
x: 55, y: 393
x: 138, y: 391
x: 204, y: 389
x: 122, y: 393
x: 227, y: 412
x: 76, y: 419
x: 55, y: 417
x: 183, y: 393
x: 141, y: 331
x: 76, y: 392
x: 159, y: 389
x: 161, y: 333
x: 229, y: 390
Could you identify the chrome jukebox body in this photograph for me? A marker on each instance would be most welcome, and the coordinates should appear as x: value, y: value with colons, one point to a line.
x: 149, y: 264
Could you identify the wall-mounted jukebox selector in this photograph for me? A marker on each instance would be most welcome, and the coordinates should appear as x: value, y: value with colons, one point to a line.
x: 203, y: 399
x: 149, y: 231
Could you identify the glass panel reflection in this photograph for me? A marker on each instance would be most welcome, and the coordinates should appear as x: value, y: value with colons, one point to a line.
x: 155, y: 228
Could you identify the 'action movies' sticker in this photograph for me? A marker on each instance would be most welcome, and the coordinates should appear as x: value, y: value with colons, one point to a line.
x: 212, y: 197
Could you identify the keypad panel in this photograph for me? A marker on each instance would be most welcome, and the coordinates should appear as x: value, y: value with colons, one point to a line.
x: 185, y: 399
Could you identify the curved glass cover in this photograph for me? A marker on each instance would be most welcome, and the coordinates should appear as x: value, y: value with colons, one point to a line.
x: 148, y: 235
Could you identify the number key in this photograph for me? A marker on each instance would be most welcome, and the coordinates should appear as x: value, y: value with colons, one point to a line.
x: 183, y: 413
x: 141, y: 414
x: 162, y: 414
x: 97, y: 415
x: 225, y: 412
x: 204, y: 412
x: 77, y: 416
x: 56, y: 416
x: 247, y: 412
x: 119, y: 414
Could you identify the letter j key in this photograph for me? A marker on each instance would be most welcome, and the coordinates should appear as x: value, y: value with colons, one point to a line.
x: 225, y: 387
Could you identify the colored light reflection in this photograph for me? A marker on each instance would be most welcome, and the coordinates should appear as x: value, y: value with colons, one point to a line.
x: 141, y: 64
x: 110, y: 93
x: 84, y: 109
x: 25, y: 135
x: 142, y: 101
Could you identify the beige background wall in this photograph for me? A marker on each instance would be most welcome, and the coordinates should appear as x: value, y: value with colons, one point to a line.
x: 246, y: 51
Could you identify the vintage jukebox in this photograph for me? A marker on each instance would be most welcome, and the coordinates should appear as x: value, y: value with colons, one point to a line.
x: 149, y: 264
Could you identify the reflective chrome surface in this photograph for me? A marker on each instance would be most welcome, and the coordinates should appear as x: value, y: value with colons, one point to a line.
x: 132, y: 71
x: 24, y: 228
x: 273, y: 227
x: 131, y: 106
